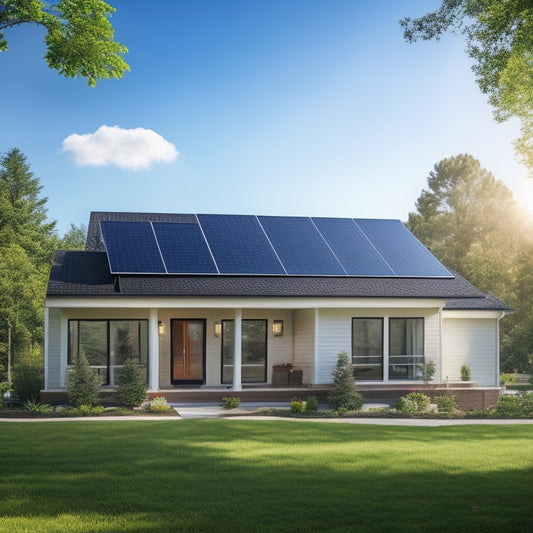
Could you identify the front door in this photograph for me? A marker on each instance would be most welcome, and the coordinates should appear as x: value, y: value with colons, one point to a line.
x: 188, y: 351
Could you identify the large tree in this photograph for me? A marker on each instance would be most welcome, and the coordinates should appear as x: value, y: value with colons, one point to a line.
x: 79, y: 40
x: 499, y: 37
x: 471, y: 222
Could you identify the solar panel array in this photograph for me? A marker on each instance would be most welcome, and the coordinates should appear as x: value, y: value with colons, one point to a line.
x: 268, y: 245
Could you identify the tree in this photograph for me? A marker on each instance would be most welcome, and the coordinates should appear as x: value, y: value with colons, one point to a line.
x: 499, y: 40
x: 74, y: 238
x: 79, y: 40
x: 343, y: 394
x: 83, y: 384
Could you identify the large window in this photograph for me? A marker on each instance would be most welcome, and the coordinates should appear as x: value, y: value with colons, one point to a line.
x: 406, y: 347
x: 367, y: 348
x: 254, y: 351
x: 107, y: 344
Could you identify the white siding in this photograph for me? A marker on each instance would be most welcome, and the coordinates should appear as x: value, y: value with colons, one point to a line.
x: 472, y: 341
x: 304, y: 342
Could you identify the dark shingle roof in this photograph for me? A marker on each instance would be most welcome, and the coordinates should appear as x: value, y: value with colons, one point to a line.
x: 78, y: 273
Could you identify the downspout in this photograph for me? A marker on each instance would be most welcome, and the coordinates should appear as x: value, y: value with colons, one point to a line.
x: 498, y: 348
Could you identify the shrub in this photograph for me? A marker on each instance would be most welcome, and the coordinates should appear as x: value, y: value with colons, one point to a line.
x: 343, y: 393
x: 38, y: 407
x: 507, y: 378
x: 297, y: 406
x: 83, y: 384
x: 159, y: 405
x: 131, y: 385
x: 466, y: 374
x: 5, y: 386
x: 428, y: 370
x: 86, y: 410
x: 514, y: 406
x: 414, y: 402
x: 231, y: 402
x: 446, y: 403
x: 311, y: 405
x: 28, y: 379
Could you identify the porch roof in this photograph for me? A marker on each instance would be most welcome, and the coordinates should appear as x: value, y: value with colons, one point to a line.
x: 83, y: 273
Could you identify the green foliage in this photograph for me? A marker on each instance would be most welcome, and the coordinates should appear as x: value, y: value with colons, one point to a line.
x: 428, y: 370
x: 466, y: 373
x: 311, y: 405
x: 159, y: 405
x: 86, y: 410
x: 414, y: 402
x: 507, y: 378
x: 74, y: 238
x: 445, y: 403
x: 83, y: 384
x: 514, y: 406
x: 343, y: 394
x: 498, y: 37
x: 5, y: 386
x: 131, y: 384
x: 80, y: 38
x: 28, y: 378
x: 38, y: 407
x: 297, y: 406
x: 231, y: 402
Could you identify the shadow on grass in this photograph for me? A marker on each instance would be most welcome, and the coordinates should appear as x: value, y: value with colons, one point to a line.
x: 221, y: 475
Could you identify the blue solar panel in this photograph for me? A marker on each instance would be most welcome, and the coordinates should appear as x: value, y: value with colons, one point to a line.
x: 405, y: 254
x: 131, y: 248
x: 239, y: 245
x: 184, y: 249
x: 355, y: 252
x: 300, y: 246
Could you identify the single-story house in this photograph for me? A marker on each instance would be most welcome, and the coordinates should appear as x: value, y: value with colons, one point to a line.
x: 211, y: 302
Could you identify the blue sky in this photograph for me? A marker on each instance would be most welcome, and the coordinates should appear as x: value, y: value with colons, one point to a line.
x: 278, y: 107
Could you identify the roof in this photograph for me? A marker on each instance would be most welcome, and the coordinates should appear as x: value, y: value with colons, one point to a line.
x: 86, y: 273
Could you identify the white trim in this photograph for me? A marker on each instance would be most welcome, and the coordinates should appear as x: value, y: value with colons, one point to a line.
x: 472, y: 314
x: 63, y: 349
x: 153, y: 351
x: 386, y: 348
x: 237, y: 354
x: 46, y: 346
x: 316, y: 363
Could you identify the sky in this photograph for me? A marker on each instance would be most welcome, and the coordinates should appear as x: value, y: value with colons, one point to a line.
x: 267, y: 107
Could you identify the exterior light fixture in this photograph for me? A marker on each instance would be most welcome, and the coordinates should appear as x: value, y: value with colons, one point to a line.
x: 160, y: 328
x: 218, y: 329
x: 277, y: 328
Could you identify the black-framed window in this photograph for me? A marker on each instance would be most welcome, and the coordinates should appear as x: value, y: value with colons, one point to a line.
x: 107, y: 344
x: 406, y: 347
x: 254, y: 351
x: 367, y: 348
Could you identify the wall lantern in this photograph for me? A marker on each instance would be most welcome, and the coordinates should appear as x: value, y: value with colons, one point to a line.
x: 218, y: 329
x: 160, y: 327
x: 277, y: 328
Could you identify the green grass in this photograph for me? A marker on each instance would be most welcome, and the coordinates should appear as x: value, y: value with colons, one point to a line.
x: 519, y: 386
x: 234, y: 475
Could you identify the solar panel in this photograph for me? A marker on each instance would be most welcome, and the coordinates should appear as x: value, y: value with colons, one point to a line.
x: 300, y: 246
x: 131, y: 248
x: 405, y: 254
x: 239, y: 245
x: 353, y: 249
x: 184, y: 249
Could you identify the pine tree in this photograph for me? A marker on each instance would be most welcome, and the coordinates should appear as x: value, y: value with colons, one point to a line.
x: 343, y: 394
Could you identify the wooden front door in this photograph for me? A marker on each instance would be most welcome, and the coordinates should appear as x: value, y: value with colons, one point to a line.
x: 188, y: 351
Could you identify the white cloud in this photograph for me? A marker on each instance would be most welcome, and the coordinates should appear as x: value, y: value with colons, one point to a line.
x: 134, y: 148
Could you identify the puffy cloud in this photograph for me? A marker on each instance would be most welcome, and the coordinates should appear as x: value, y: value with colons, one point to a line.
x: 134, y: 148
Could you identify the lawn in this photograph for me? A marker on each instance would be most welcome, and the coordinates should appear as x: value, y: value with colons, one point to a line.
x: 235, y: 475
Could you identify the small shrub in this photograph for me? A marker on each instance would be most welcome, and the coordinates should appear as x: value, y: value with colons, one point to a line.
x: 507, y: 378
x: 83, y: 384
x: 231, y: 402
x: 159, y: 405
x: 514, y: 406
x: 343, y: 393
x: 311, y: 405
x: 414, y: 402
x: 86, y: 410
x: 380, y: 410
x: 476, y: 413
x: 38, y: 407
x: 297, y: 406
x: 446, y: 403
x: 28, y: 379
x: 131, y: 385
x: 466, y: 373
x: 428, y: 370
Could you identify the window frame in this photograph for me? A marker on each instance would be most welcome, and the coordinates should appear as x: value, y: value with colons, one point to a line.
x: 382, y: 321
x: 413, y: 364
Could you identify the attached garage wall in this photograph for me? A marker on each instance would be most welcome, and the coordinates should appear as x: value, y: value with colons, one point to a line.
x: 472, y: 341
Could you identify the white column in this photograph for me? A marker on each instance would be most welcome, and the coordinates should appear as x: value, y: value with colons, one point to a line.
x: 237, y: 355
x: 386, y: 348
x: 316, y: 358
x: 46, y: 345
x: 153, y: 352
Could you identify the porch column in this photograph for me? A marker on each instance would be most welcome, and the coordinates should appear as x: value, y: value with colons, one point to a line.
x: 46, y: 346
x: 153, y: 352
x: 237, y: 355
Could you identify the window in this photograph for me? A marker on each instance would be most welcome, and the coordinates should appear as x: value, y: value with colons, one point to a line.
x: 107, y: 344
x: 254, y: 351
x: 367, y: 348
x: 406, y: 347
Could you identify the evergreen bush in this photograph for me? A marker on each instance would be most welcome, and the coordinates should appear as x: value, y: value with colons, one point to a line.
x: 414, y: 402
x: 466, y: 374
x: 311, y: 405
x: 446, y: 403
x: 83, y: 384
x: 131, y: 384
x: 28, y: 378
x: 428, y: 370
x: 343, y: 394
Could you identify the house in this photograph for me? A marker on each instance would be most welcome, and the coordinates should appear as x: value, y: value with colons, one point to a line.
x: 213, y: 302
